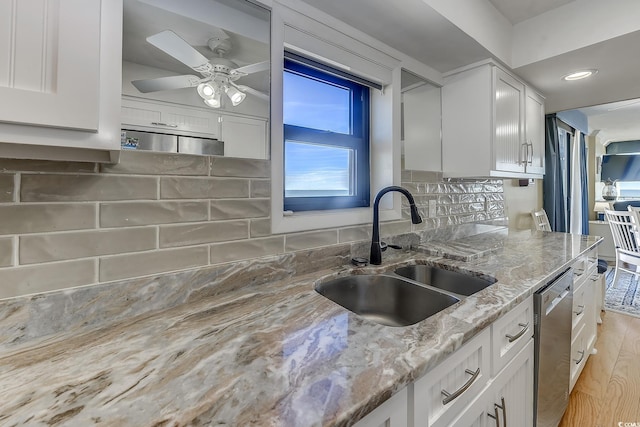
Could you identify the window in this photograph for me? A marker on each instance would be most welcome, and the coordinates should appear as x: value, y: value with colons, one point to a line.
x: 628, y: 190
x: 326, y: 137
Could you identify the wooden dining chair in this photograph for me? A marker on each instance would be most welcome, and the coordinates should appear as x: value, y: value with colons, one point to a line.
x: 624, y: 230
x: 540, y: 220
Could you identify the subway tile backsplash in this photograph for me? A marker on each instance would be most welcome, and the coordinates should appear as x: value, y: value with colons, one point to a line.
x: 68, y: 224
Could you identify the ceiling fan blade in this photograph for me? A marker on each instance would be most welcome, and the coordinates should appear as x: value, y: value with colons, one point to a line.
x: 173, y: 45
x: 253, y: 68
x: 166, y: 83
x: 254, y: 92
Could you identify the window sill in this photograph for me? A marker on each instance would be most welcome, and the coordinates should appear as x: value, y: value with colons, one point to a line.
x: 311, y: 220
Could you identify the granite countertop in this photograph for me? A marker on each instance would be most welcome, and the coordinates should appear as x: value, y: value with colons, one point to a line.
x: 274, y: 354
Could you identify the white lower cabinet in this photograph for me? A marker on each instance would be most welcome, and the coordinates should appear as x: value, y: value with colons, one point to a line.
x: 508, y: 400
x: 444, y: 392
x: 392, y: 413
x: 584, y: 316
x: 503, y: 356
x: 490, y: 376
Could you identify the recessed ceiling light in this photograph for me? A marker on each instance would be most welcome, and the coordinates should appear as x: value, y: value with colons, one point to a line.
x: 578, y: 75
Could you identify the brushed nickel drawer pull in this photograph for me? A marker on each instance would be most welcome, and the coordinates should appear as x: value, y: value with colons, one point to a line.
x: 448, y: 397
x: 495, y: 417
x: 578, y: 313
x: 581, y: 357
x: 524, y: 327
x: 504, y: 411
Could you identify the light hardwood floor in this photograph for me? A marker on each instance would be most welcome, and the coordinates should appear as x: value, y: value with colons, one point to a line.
x: 608, y: 390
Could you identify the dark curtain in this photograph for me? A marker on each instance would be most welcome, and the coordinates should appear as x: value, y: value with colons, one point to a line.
x: 557, y: 179
x: 585, y: 190
x: 554, y: 199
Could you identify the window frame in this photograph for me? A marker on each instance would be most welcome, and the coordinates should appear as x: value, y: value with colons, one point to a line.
x: 358, y: 140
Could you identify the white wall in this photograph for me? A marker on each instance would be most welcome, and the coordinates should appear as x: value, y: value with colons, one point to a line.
x: 520, y: 201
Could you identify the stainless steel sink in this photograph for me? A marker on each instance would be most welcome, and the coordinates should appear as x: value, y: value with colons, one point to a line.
x: 447, y: 280
x: 388, y: 300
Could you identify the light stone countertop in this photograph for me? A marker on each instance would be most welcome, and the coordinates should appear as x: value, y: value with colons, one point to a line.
x: 272, y: 354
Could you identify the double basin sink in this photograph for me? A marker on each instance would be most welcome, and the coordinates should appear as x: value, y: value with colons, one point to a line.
x: 406, y: 296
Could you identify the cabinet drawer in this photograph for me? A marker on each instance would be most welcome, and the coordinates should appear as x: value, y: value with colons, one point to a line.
x: 579, y: 310
x: 579, y: 354
x: 462, y: 376
x: 585, y: 268
x: 511, y: 333
x: 579, y: 267
x: 512, y: 389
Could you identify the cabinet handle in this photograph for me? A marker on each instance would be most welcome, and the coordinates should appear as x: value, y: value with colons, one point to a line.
x: 504, y: 411
x: 526, y: 153
x: 496, y: 416
x: 524, y: 327
x: 578, y: 313
x: 530, y: 159
x: 164, y: 124
x: 581, y: 357
x: 448, y: 397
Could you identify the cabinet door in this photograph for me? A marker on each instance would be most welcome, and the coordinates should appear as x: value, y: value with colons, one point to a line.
x: 479, y: 414
x: 421, y: 125
x: 508, y: 140
x: 462, y: 377
x: 534, y: 132
x: 508, y: 401
x: 579, y: 355
x: 61, y: 79
x: 513, y: 391
x: 244, y: 137
x: 50, y: 51
x: 392, y: 413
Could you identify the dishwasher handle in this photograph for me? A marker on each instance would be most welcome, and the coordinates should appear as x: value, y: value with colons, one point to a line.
x: 557, y: 300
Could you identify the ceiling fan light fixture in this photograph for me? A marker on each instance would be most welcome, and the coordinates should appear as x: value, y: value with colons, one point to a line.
x: 579, y: 75
x: 214, y: 101
x: 236, y: 96
x: 206, y: 91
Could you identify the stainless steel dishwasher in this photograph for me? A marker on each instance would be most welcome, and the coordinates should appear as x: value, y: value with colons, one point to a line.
x: 552, y: 310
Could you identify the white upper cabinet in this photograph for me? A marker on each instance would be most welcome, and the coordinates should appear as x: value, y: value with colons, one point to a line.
x: 534, y: 132
x: 244, y: 137
x: 487, y: 128
x: 163, y: 117
x: 508, y: 137
x: 421, y: 123
x: 60, y: 79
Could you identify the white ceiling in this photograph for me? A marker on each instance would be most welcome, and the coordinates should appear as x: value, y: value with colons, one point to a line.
x: 410, y: 26
x: 616, y: 121
x: 417, y: 29
x: 143, y: 18
x: 521, y: 10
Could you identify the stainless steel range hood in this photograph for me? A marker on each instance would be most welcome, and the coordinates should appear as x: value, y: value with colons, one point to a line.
x: 151, y: 141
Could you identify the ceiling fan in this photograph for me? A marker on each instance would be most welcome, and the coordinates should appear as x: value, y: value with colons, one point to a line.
x: 218, y: 75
